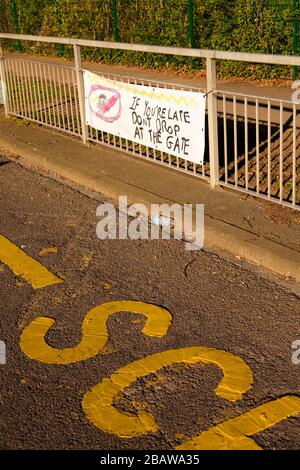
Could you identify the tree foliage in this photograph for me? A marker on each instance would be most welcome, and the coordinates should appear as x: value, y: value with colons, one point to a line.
x: 262, y: 26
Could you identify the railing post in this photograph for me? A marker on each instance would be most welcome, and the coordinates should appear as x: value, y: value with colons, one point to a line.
x: 295, y: 35
x: 191, y: 23
x: 114, y: 13
x: 15, y: 14
x: 211, y: 78
x: 81, y: 93
x: 192, y: 30
x: 3, y: 81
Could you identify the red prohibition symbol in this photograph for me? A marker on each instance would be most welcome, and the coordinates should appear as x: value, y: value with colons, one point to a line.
x: 106, y: 104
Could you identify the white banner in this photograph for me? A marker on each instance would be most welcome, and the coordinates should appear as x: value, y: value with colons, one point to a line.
x: 172, y: 121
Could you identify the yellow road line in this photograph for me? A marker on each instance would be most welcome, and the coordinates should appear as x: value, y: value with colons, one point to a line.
x: 46, y: 250
x: 94, y: 332
x: 23, y: 265
x: 234, y: 433
x: 98, y: 403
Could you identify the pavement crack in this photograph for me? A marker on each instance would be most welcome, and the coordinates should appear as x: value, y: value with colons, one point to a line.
x: 282, y: 244
x: 257, y: 235
x: 252, y: 232
x: 188, y: 265
x: 248, y: 222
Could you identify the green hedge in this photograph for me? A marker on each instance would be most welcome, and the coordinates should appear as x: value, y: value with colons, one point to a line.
x: 242, y: 25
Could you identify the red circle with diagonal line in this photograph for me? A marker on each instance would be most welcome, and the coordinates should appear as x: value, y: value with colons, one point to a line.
x: 108, y: 109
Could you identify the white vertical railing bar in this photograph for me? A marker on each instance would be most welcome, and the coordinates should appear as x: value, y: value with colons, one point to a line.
x: 34, y: 91
x: 52, y: 109
x: 211, y: 78
x: 235, y: 143
x: 25, y: 88
x: 17, y: 88
x: 20, y: 90
x: 10, y: 99
x: 11, y: 87
x: 60, y: 108
x: 246, y: 143
x: 42, y: 82
x: 294, y: 157
x: 225, y: 139
x: 57, y: 98
x: 70, y: 99
x: 269, y: 148
x: 65, y: 100
x: 280, y: 151
x: 3, y: 80
x: 76, y: 101
x: 38, y: 89
x: 257, y: 146
x: 81, y: 94
x: 47, y: 85
x: 27, y: 71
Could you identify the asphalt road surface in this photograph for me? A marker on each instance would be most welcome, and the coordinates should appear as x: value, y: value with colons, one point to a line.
x: 121, y: 344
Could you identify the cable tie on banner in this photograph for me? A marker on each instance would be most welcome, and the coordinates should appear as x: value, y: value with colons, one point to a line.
x: 208, y: 92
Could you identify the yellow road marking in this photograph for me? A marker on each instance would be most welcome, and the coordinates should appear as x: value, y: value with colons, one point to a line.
x: 23, y: 265
x: 98, y: 403
x: 70, y: 223
x: 94, y: 332
x: 86, y: 260
x: 46, y: 250
x: 234, y: 433
x: 106, y: 285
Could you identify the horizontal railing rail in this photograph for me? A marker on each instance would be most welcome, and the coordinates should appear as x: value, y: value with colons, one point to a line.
x: 274, y: 59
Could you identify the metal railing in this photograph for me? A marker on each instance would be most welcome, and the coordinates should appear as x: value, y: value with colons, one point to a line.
x: 252, y: 141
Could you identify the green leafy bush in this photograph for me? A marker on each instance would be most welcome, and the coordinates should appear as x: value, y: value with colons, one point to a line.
x: 263, y: 26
